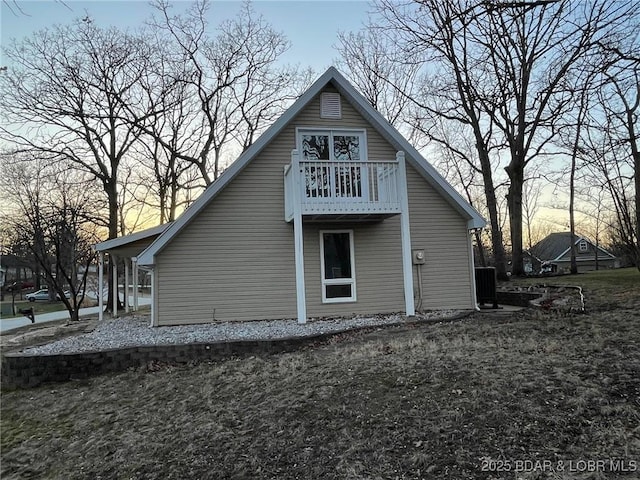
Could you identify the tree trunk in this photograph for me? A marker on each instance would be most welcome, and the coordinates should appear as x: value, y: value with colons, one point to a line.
x: 572, y: 221
x: 481, y: 254
x: 112, y: 194
x: 514, y: 205
x: 635, y: 152
x: 496, y: 235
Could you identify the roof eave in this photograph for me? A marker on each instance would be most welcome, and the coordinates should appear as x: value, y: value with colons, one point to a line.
x: 134, y: 237
x: 426, y: 170
x: 334, y: 77
x: 147, y: 257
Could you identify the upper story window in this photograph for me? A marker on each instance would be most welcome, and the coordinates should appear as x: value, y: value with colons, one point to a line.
x: 330, y: 105
x: 333, y: 167
x: 583, y: 246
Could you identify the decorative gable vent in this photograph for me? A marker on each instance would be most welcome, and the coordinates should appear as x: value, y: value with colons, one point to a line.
x: 330, y: 106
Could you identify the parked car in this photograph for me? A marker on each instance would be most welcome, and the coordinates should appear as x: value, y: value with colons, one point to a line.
x: 17, y: 286
x: 43, y: 294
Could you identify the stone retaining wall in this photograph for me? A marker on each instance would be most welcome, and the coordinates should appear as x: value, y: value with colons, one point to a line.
x: 25, y: 371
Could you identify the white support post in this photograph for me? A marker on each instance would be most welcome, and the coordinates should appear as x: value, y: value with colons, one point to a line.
x: 472, y: 273
x: 126, y: 285
x: 405, y: 236
x: 298, y: 235
x: 100, y: 286
x: 135, y: 273
x: 114, y: 283
x: 154, y: 306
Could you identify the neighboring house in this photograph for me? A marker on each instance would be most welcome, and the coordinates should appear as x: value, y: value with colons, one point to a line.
x: 555, y: 250
x: 330, y: 212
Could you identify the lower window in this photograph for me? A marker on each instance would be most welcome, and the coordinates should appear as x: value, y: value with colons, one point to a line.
x: 337, y: 268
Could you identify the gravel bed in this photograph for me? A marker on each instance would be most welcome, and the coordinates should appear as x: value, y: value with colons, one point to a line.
x: 133, y: 331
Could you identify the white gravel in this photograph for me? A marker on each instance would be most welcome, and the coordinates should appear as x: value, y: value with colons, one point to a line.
x: 133, y: 331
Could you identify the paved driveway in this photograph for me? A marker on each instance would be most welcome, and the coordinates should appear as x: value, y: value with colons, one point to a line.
x: 11, y: 323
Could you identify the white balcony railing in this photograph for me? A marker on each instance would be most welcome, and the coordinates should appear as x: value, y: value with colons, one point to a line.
x: 343, y: 187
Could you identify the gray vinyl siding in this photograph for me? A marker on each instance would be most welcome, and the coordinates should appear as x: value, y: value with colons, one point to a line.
x: 442, y: 232
x: 236, y: 257
x: 235, y: 260
x: 378, y: 269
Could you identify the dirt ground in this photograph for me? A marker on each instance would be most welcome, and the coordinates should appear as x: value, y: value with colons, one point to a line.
x: 537, y: 394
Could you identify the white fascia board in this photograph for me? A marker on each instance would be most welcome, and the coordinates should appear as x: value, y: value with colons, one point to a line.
x: 579, y: 239
x: 147, y: 257
x: 428, y: 172
x: 606, y: 252
x: 533, y: 256
x: 558, y: 258
x: 359, y: 102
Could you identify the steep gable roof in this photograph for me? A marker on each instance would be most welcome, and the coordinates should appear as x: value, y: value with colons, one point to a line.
x: 555, y: 245
x: 333, y: 77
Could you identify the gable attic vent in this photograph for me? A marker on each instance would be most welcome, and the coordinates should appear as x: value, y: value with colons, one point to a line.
x: 330, y: 106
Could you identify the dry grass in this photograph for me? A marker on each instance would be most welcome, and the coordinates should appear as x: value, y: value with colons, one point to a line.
x: 426, y: 402
x: 604, y: 289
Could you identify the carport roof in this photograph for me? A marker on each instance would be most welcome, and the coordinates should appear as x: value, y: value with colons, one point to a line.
x: 131, y: 245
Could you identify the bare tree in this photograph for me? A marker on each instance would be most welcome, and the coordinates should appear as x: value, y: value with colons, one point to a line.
x: 624, y: 79
x: 168, y: 135
x: 442, y: 31
x: 496, y: 67
x: 460, y: 169
x: 610, y: 146
x: 375, y: 66
x: 68, y: 95
x: 530, y: 206
x: 52, y: 216
x: 238, y: 86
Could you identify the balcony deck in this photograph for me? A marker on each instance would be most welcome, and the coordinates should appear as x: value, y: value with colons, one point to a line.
x: 364, y: 191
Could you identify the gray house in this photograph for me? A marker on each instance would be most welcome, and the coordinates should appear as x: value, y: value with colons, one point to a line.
x: 555, y: 251
x: 330, y: 212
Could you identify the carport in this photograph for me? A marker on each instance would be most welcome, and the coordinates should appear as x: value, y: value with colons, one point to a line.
x: 126, y: 248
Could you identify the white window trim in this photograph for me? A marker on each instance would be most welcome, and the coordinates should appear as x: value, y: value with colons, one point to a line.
x: 583, y: 246
x: 364, y: 154
x: 331, y: 132
x: 338, y: 281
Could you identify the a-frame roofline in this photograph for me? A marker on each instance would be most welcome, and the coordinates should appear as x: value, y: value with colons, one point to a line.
x: 333, y: 77
x: 577, y: 241
x: 556, y: 245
